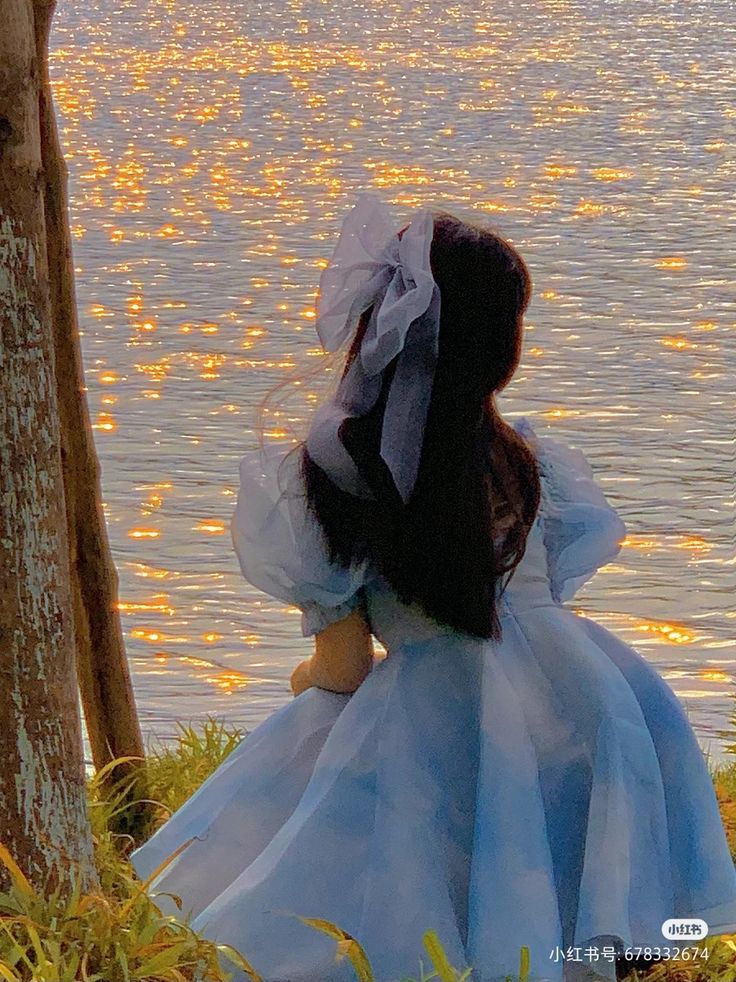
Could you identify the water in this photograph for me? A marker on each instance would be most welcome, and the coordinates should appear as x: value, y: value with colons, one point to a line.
x: 213, y: 151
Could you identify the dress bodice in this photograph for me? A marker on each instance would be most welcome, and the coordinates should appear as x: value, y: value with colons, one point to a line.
x: 394, y: 622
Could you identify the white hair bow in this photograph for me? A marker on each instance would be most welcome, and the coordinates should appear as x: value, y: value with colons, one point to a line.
x: 372, y: 267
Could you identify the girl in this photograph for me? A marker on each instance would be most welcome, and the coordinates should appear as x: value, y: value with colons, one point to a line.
x: 510, y: 774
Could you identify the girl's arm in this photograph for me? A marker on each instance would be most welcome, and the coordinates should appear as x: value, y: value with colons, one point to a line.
x: 342, y: 659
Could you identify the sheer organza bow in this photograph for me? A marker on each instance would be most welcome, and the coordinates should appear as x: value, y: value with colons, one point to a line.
x: 372, y: 267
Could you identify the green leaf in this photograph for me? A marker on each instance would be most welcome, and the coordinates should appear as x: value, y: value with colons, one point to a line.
x: 439, y: 959
x: 524, y: 963
x: 167, y: 958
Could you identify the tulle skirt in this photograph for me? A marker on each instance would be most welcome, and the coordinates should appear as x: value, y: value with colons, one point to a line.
x: 544, y: 792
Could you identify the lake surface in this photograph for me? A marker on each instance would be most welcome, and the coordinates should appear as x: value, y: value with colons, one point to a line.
x: 214, y: 150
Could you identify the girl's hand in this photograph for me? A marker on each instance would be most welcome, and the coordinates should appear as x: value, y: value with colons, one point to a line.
x: 301, y: 678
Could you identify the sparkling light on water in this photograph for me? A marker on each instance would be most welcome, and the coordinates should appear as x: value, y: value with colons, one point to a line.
x: 214, y: 150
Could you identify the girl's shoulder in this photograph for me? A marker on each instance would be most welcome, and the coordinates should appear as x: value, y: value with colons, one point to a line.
x: 582, y: 529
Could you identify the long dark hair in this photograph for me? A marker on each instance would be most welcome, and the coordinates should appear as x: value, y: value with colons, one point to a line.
x: 438, y: 549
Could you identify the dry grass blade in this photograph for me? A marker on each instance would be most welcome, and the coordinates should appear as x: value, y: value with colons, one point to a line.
x: 239, y: 961
x: 18, y: 877
x: 347, y: 946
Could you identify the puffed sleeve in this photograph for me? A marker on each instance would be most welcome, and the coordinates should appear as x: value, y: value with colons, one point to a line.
x: 582, y: 530
x: 281, y: 546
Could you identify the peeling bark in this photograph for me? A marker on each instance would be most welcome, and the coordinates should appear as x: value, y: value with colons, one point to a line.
x: 43, y: 817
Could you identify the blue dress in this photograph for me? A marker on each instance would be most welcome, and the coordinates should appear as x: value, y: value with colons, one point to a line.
x: 541, y: 791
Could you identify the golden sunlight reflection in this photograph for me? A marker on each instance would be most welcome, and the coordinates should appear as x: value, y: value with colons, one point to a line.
x: 211, y: 527
x: 674, y: 633
x: 695, y: 544
x: 671, y: 262
x: 150, y: 572
x: 158, y: 604
x: 228, y: 680
x: 155, y: 637
x: 144, y: 533
x: 105, y: 422
x: 712, y: 675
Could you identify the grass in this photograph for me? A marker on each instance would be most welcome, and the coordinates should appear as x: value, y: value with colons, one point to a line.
x: 724, y: 781
x: 720, y: 966
x: 118, y: 934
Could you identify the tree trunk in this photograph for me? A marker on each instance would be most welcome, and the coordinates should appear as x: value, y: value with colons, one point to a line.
x: 107, y: 693
x: 43, y: 818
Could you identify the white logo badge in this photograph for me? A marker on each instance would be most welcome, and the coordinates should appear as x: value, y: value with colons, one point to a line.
x: 685, y: 928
